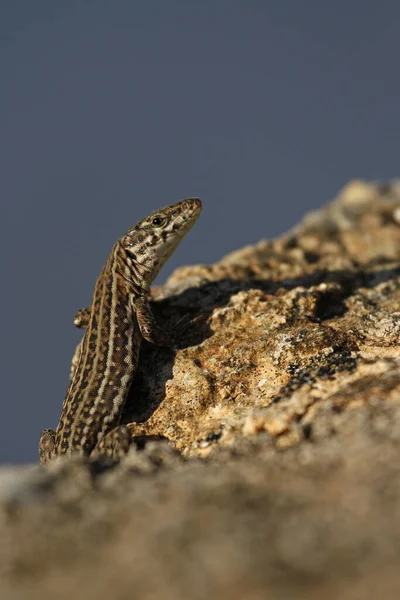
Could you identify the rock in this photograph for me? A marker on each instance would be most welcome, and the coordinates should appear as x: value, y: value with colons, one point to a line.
x: 266, y: 455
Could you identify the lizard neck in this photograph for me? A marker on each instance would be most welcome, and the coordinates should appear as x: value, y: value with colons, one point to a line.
x: 136, y: 268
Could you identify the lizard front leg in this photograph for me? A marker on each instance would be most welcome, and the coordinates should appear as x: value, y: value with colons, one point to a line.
x: 149, y: 328
x: 81, y: 319
x: 47, y: 446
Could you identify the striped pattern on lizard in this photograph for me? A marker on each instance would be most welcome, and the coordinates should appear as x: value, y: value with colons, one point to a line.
x: 118, y: 319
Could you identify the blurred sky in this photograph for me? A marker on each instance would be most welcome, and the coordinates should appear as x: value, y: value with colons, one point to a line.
x: 110, y: 109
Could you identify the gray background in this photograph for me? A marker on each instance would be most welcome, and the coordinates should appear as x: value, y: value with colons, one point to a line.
x: 262, y: 108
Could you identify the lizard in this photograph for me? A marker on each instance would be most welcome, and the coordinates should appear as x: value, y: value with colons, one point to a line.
x: 115, y: 324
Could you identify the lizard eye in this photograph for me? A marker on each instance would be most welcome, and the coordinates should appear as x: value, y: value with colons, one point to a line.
x: 157, y: 221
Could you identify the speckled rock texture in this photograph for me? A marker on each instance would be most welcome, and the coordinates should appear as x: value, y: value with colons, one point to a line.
x: 266, y: 461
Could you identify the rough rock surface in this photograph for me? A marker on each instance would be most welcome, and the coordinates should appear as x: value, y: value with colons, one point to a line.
x: 281, y: 477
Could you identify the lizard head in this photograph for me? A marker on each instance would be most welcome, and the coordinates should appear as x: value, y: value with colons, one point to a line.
x: 152, y: 241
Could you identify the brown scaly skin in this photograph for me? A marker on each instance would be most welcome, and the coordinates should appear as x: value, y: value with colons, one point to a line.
x: 118, y: 319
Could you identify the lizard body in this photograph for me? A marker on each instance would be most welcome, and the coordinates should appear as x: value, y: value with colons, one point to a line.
x: 118, y: 319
